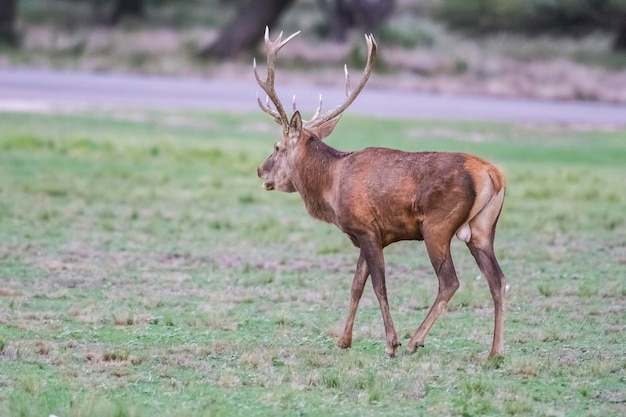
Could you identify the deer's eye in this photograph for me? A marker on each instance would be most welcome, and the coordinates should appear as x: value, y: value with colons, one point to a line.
x: 276, y: 148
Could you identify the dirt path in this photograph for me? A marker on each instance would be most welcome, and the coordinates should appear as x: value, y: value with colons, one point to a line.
x: 43, y: 90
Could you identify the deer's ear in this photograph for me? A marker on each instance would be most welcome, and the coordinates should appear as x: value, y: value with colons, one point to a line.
x: 295, y: 125
x: 325, y: 129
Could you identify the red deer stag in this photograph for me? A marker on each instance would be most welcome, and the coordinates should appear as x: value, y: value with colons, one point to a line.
x: 378, y: 196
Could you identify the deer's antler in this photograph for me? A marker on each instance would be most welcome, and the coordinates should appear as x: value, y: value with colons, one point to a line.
x: 272, y: 49
x: 319, y: 119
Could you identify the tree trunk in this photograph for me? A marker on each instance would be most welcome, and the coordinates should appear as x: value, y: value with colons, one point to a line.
x: 619, y: 41
x: 127, y: 8
x: 98, y: 14
x: 8, y: 13
x: 342, y: 15
x: 246, y: 29
x: 339, y: 21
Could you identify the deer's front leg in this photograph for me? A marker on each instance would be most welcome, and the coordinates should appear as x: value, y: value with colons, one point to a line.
x: 373, y: 254
x: 360, y: 278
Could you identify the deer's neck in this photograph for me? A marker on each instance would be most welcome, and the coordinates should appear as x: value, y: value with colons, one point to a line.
x: 315, y: 178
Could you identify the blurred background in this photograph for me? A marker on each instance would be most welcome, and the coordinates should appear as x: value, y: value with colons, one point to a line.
x: 550, y: 49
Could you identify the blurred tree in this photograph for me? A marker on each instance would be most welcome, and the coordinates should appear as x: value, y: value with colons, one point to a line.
x: 127, y: 8
x: 570, y: 17
x: 619, y: 42
x: 343, y: 15
x: 8, y: 31
x: 246, y: 29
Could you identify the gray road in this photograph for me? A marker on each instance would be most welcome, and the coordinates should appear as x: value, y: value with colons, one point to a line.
x: 26, y: 89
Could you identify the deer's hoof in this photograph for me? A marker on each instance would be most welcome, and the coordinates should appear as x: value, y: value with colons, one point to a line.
x: 344, y: 344
x: 495, y: 361
x: 391, y: 348
x: 411, y: 349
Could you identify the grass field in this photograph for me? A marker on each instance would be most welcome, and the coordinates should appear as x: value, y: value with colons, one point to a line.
x: 144, y: 272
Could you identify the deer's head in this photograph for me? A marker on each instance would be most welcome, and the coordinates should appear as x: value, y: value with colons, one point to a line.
x: 278, y: 169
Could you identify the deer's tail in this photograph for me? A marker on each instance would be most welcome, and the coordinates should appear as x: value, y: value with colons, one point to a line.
x: 490, y: 185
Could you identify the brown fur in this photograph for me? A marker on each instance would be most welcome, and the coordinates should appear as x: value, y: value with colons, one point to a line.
x: 378, y: 196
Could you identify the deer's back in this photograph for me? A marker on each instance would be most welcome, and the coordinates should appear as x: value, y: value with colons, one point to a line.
x: 393, y: 191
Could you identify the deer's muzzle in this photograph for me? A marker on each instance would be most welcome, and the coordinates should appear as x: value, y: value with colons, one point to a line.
x: 268, y: 185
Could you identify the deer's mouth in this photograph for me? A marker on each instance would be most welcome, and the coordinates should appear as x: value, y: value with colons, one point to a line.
x: 269, y: 186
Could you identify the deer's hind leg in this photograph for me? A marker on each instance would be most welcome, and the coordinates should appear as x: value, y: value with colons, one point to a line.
x: 483, y: 228
x: 488, y: 264
x: 438, y: 246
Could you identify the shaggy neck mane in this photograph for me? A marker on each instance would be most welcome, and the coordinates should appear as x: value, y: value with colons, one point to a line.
x: 314, y: 177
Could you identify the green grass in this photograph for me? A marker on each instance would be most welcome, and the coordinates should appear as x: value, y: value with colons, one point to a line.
x: 144, y: 271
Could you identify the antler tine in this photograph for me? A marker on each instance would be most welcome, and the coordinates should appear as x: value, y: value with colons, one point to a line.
x: 318, y: 110
x: 372, y: 48
x: 267, y: 109
x: 272, y: 48
x: 278, y: 43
